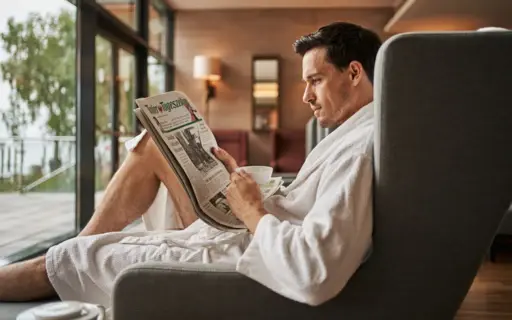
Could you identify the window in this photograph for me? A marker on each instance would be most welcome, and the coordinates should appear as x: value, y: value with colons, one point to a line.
x: 103, y: 114
x: 158, y: 26
x: 156, y: 76
x: 126, y: 119
x: 37, y: 123
x: 41, y: 126
x: 124, y: 10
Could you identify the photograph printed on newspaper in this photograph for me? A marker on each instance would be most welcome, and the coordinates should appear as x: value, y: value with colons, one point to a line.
x: 186, y: 141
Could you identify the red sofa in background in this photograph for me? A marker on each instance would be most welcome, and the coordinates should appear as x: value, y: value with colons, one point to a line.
x: 288, y: 150
x: 234, y: 142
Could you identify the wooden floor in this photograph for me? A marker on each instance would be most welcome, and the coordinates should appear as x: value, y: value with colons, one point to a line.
x: 490, y: 297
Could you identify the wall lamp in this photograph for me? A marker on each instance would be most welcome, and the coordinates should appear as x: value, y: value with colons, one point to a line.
x: 207, y: 68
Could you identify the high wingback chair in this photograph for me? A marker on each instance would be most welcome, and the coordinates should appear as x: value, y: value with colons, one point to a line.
x: 443, y: 182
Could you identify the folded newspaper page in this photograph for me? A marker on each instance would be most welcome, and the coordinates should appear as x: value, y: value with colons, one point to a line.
x: 186, y: 141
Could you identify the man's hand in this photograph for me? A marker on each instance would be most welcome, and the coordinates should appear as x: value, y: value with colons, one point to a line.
x: 244, y: 198
x: 228, y: 161
x: 243, y: 194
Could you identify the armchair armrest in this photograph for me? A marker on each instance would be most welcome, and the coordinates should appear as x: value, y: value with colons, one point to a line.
x: 196, y: 291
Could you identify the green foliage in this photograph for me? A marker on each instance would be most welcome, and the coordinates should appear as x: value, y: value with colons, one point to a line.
x: 104, y: 85
x: 16, y: 117
x: 41, y: 69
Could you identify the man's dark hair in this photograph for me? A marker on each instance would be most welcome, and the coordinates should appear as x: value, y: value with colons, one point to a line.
x: 344, y: 42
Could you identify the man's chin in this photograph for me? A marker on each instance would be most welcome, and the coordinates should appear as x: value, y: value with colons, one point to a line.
x: 324, y: 123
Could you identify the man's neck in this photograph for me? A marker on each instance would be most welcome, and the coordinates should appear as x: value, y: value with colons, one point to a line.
x: 358, y: 106
x: 366, y: 101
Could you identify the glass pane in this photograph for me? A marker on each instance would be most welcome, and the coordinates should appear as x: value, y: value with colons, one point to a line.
x: 103, y: 109
x: 126, y: 100
x: 37, y: 123
x: 124, y: 10
x: 156, y: 76
x: 265, y: 83
x: 158, y: 26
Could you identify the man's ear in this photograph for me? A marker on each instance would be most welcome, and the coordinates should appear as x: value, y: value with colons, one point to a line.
x: 356, y: 72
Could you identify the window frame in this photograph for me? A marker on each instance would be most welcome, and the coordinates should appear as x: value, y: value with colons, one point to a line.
x: 92, y: 19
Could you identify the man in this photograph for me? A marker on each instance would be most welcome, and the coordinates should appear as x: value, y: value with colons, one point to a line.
x: 304, y: 243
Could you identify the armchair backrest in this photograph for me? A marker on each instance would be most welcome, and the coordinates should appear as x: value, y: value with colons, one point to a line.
x: 443, y: 172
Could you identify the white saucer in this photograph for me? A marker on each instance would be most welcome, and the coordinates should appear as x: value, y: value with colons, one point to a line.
x: 63, y: 310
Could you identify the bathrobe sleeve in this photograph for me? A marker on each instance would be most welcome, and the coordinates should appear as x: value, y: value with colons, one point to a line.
x: 312, y: 262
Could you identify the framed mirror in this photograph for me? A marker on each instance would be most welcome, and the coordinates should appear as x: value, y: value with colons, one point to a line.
x: 265, y: 93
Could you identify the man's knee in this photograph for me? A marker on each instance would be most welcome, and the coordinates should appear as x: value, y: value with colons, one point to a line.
x: 68, y: 259
x: 148, y: 151
x: 61, y: 255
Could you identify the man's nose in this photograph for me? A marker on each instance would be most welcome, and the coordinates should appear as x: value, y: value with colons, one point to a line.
x: 308, y: 96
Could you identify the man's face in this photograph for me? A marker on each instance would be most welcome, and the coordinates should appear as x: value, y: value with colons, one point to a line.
x: 328, y: 89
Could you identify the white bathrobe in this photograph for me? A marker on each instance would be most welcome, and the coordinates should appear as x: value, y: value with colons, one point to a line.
x: 314, y: 238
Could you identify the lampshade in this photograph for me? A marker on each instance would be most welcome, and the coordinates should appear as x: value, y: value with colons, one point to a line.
x: 206, y: 68
x: 492, y: 29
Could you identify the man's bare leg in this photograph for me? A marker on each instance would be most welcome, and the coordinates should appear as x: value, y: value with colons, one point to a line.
x: 25, y: 280
x: 133, y: 188
x: 129, y: 194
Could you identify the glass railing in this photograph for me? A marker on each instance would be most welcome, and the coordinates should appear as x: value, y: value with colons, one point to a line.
x: 37, y: 164
x: 37, y: 192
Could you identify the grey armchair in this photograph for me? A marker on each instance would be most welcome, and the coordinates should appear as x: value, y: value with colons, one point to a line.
x: 506, y: 225
x: 443, y: 182
x: 503, y: 239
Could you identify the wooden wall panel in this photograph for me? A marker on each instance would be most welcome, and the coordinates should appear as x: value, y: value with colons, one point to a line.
x: 235, y: 36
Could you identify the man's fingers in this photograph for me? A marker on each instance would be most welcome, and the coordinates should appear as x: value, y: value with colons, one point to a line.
x: 217, y: 151
x: 245, y: 174
x: 241, y: 174
x: 235, y: 176
x: 226, y: 159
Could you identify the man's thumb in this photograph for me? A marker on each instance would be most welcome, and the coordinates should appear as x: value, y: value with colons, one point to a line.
x: 223, y: 156
x: 218, y: 151
x: 220, y: 154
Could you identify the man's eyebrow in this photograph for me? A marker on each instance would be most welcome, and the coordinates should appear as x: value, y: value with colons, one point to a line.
x: 311, y: 76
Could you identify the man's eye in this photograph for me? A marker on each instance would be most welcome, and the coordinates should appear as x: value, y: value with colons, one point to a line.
x: 315, y: 81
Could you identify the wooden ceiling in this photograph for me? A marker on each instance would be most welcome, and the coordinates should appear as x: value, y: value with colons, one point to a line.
x: 410, y: 15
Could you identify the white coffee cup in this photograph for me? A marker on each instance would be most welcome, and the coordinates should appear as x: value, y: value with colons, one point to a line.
x: 64, y: 310
x: 260, y: 174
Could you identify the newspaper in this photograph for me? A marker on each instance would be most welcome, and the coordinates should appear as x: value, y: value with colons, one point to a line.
x: 186, y: 141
